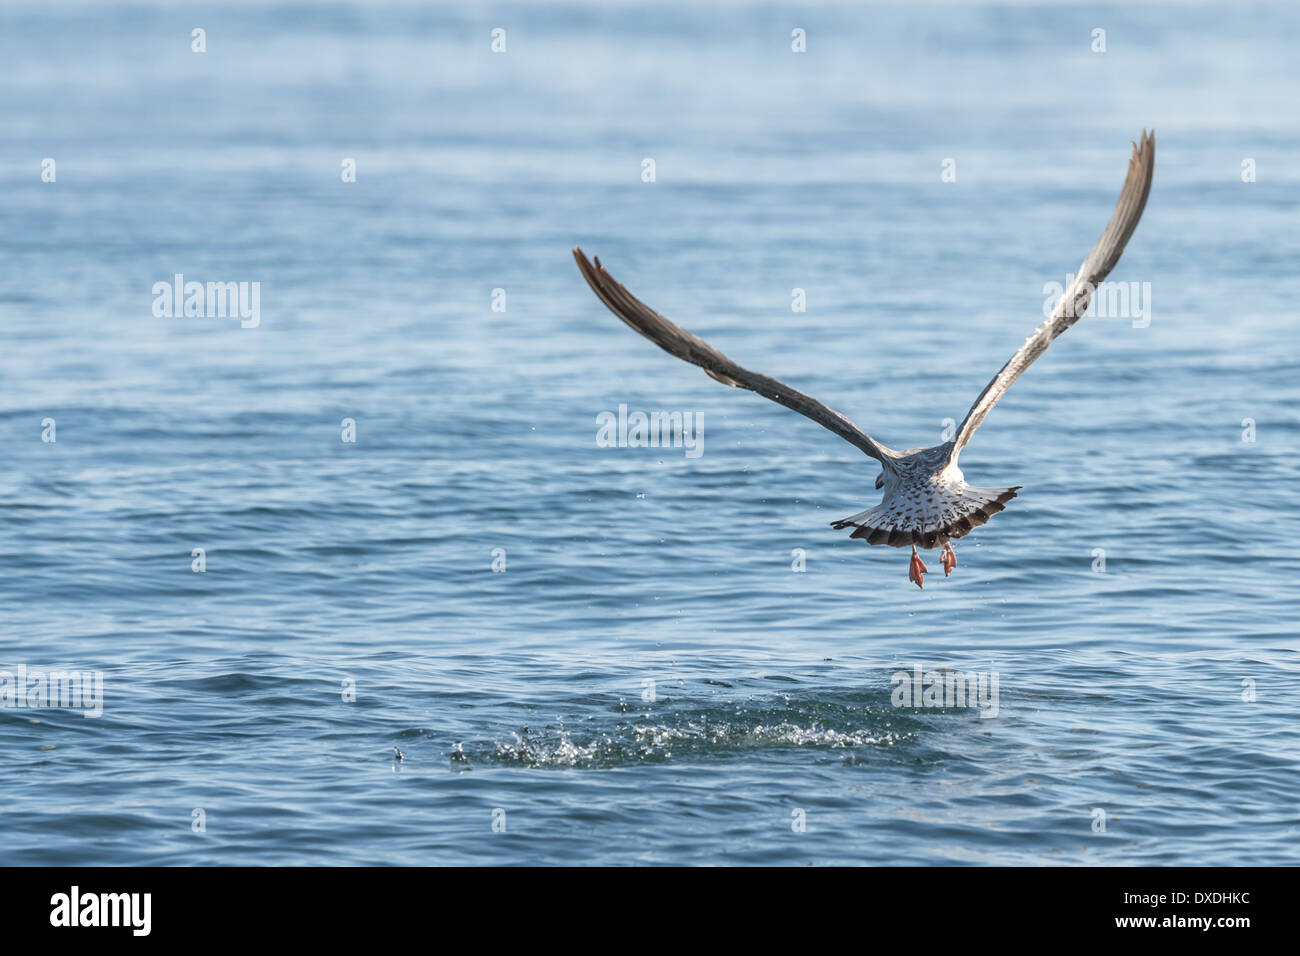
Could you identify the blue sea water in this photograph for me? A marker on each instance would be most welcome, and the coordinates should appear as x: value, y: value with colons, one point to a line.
x: 648, y: 680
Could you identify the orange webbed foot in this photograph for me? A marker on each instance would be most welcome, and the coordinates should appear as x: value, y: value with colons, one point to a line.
x: 949, y: 559
x: 917, y: 569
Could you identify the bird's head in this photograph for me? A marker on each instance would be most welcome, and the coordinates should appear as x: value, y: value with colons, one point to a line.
x: 880, y: 481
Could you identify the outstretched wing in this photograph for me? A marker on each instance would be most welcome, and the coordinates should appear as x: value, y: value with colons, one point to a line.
x: 1074, y: 302
x: 677, y: 341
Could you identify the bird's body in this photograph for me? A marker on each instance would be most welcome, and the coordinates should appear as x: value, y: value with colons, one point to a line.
x: 927, y: 502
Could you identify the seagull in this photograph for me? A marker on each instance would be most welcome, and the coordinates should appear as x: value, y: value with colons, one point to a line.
x: 926, y: 501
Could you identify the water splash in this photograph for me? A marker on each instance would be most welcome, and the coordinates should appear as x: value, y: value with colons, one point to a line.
x: 686, y: 732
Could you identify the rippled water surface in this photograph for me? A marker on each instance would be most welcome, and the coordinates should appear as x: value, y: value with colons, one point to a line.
x: 648, y: 679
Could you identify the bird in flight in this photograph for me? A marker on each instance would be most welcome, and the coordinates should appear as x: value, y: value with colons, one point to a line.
x: 926, y: 499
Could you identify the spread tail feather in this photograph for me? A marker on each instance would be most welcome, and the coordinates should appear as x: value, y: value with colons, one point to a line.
x: 953, y: 516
